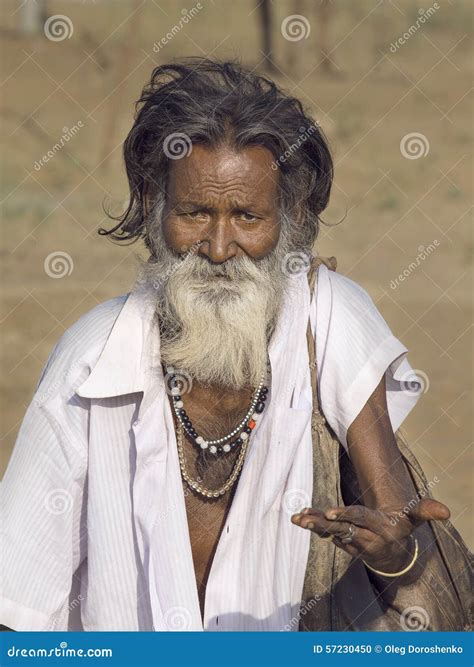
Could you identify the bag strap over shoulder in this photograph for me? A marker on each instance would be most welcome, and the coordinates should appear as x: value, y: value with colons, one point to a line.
x: 316, y: 262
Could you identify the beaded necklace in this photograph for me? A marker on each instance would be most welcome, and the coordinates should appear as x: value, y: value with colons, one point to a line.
x: 219, y: 445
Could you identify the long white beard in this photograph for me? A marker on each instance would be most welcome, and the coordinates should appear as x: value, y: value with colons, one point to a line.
x: 216, y: 319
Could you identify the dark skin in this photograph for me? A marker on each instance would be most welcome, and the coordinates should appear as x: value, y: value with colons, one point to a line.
x: 227, y: 202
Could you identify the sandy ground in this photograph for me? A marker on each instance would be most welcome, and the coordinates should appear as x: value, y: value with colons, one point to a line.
x: 394, y: 205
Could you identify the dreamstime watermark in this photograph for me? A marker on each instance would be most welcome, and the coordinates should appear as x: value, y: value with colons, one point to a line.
x: 186, y: 253
x: 424, y: 16
x: 171, y: 509
x: 177, y: 619
x: 61, y: 651
x: 43, y: 394
x: 187, y: 15
x: 58, y: 264
x: 303, y: 610
x: 295, y: 500
x: 294, y: 263
x: 177, y: 145
x: 295, y: 27
x: 423, y: 253
x: 305, y: 133
x: 414, y: 619
x: 414, y: 381
x: 58, y: 27
x: 71, y: 606
x: 67, y: 135
x: 58, y: 501
x: 177, y: 382
x: 414, y: 145
x: 421, y: 493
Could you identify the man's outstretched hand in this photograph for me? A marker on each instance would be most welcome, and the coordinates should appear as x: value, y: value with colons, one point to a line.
x: 379, y: 537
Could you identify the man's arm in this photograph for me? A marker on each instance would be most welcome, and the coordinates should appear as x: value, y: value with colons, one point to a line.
x: 390, y: 509
x: 42, y: 523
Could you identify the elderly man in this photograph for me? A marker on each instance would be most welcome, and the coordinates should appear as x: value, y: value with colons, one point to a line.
x: 162, y: 469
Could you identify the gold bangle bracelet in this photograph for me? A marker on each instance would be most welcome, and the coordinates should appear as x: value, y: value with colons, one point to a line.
x: 396, y: 574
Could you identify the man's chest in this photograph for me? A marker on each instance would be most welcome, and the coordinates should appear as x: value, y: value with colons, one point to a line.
x: 206, y: 516
x: 206, y: 520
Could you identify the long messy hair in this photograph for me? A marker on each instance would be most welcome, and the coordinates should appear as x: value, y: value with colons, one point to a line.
x: 201, y: 101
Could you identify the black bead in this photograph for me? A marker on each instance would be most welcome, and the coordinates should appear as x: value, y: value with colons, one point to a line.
x: 176, y: 398
x: 247, y: 429
x: 259, y: 408
x: 264, y: 390
x: 193, y: 433
x: 239, y: 441
x: 220, y: 450
x: 182, y: 412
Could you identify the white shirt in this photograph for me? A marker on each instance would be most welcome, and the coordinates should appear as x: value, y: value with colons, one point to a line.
x: 94, y: 530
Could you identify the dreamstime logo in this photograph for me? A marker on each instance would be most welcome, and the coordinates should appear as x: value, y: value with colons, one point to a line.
x: 305, y: 133
x: 177, y: 619
x: 414, y: 145
x: 414, y: 619
x: 414, y: 381
x: 47, y: 389
x: 186, y: 16
x: 72, y: 605
x: 177, y: 382
x: 295, y: 500
x: 421, y: 493
x: 67, y: 135
x: 423, y: 253
x: 58, y: 264
x: 295, y: 263
x: 177, y: 145
x: 302, y: 611
x: 58, y: 501
x: 424, y: 16
x: 58, y: 27
x: 156, y: 283
x: 295, y: 27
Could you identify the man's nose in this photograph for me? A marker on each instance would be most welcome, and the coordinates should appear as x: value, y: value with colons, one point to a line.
x: 218, y: 244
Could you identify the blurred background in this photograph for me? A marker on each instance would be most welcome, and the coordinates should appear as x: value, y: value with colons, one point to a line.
x: 390, y: 82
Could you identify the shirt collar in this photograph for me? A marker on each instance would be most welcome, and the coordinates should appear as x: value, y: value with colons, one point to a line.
x: 130, y: 359
x: 124, y: 362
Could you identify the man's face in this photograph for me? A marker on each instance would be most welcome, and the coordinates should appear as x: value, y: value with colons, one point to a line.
x: 225, y: 199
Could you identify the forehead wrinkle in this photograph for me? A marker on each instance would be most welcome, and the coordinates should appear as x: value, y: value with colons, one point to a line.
x: 232, y: 192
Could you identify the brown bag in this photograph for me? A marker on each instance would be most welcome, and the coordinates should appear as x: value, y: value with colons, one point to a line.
x: 339, y: 592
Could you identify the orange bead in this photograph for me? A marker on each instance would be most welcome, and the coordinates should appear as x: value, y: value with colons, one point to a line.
x: 252, y: 424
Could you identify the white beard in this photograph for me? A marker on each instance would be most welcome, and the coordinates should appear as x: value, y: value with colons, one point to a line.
x: 216, y: 329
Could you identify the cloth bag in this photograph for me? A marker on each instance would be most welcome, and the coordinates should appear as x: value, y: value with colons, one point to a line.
x: 339, y: 592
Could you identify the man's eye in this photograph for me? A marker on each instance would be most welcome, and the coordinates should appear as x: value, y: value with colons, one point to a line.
x: 193, y: 214
x: 247, y: 217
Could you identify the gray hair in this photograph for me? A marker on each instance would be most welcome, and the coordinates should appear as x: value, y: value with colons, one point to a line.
x: 200, y: 101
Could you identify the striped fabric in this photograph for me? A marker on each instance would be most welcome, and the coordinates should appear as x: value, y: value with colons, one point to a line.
x: 94, y: 530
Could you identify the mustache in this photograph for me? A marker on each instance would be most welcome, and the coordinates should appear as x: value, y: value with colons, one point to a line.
x: 202, y: 269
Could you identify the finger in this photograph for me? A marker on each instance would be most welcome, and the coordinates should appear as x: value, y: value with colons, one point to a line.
x: 315, y: 520
x: 428, y: 510
x: 350, y: 548
x: 359, y: 515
